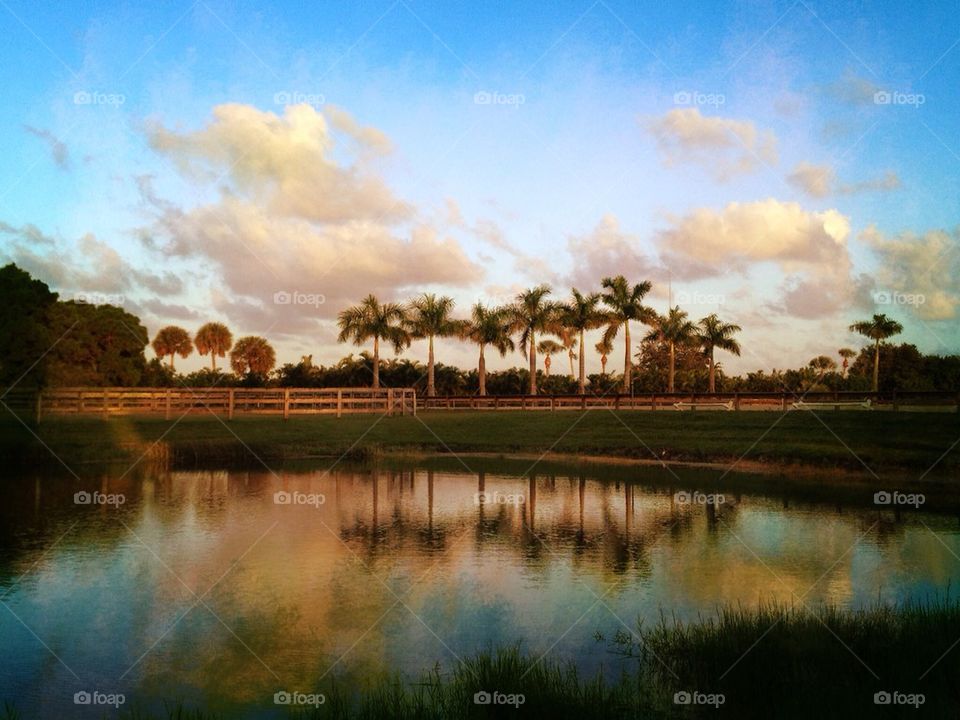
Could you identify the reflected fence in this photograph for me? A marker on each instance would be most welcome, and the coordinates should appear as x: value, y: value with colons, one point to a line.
x: 288, y: 402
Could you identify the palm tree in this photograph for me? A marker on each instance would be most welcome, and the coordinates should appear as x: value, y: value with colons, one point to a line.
x: 713, y: 333
x: 675, y: 329
x: 846, y: 354
x: 580, y: 314
x: 373, y: 320
x: 821, y: 365
x: 172, y: 341
x: 488, y: 327
x: 252, y: 354
x: 604, y: 348
x: 879, y: 328
x: 548, y: 348
x: 533, y: 314
x: 214, y: 338
x: 429, y: 317
x: 625, y: 303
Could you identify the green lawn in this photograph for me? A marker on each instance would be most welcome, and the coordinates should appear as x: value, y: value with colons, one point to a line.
x: 881, y: 441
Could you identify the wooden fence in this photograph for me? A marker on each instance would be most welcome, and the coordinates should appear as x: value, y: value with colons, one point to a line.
x: 942, y: 401
x: 174, y: 402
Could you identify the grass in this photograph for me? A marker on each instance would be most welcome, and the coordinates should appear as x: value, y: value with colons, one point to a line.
x: 774, y: 661
x: 881, y: 441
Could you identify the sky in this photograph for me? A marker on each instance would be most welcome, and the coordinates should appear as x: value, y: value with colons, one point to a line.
x: 792, y: 167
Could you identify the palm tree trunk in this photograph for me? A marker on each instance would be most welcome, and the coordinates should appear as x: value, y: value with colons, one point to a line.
x: 376, y: 363
x: 171, y: 362
x: 570, y: 356
x: 213, y: 360
x: 626, y: 358
x: 713, y: 374
x: 670, y: 384
x: 582, y: 385
x: 546, y: 365
x: 876, y: 366
x: 431, y: 388
x: 482, y: 372
x: 533, y: 364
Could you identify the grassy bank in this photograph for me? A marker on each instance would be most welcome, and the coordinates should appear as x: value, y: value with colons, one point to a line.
x: 882, y: 441
x: 772, y: 662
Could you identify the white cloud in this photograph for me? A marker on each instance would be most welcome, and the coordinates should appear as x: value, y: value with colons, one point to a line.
x: 821, y: 180
x: 723, y: 146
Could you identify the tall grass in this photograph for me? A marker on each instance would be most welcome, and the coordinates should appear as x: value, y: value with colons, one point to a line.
x: 775, y: 661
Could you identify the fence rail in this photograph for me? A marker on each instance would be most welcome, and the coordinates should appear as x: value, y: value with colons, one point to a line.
x: 174, y: 402
x: 286, y: 402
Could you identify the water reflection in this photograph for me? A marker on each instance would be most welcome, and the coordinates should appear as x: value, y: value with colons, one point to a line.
x: 202, y: 586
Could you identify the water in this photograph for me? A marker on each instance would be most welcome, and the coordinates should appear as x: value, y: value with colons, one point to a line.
x: 201, y: 587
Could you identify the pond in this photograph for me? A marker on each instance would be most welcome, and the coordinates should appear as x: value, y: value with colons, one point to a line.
x: 222, y: 588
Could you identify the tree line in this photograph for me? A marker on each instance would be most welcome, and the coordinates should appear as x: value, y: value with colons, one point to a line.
x: 45, y: 341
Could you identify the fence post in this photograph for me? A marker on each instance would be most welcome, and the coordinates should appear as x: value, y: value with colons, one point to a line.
x: 783, y: 402
x: 653, y: 401
x: 286, y: 403
x: 390, y: 402
x: 553, y: 403
x: 414, y: 403
x: 339, y: 402
x: 167, y: 411
x: 104, y: 405
x: 896, y: 405
x: 736, y: 401
x: 230, y: 404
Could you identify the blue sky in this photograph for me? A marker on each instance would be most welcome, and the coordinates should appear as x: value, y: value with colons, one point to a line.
x: 791, y: 166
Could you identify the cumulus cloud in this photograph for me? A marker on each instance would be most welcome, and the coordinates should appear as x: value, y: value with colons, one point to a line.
x: 723, y: 146
x: 809, y: 249
x: 821, y: 180
x: 919, y: 272
x: 606, y: 251
x: 85, y: 266
x: 283, y: 163
x: 58, y: 148
x: 291, y: 219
